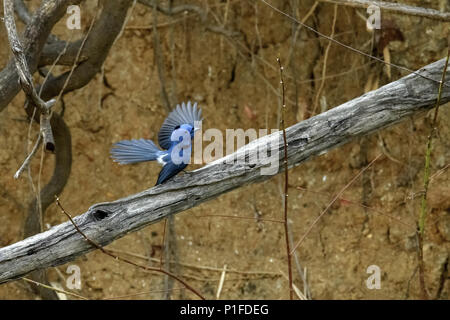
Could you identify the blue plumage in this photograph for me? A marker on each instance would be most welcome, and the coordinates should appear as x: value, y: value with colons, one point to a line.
x: 175, y: 137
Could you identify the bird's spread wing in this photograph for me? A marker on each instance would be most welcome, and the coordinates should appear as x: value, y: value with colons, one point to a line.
x: 184, y: 114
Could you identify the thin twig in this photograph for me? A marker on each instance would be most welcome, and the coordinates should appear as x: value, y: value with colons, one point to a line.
x: 77, y: 58
x: 159, y: 60
x: 421, y: 267
x: 109, y: 253
x: 382, y: 144
x: 125, y: 22
x: 21, y: 62
x: 286, y: 181
x: 396, y: 8
x: 351, y: 48
x: 39, y: 200
x: 426, y: 181
x: 309, y: 138
x: 301, y: 271
x: 170, y: 251
x: 139, y: 294
x: 243, y: 218
x: 221, y: 281
x: 198, y: 267
x: 426, y: 177
x: 27, y: 160
x: 363, y: 206
x: 35, y: 38
x: 55, y: 289
x: 297, y: 30
x: 26, y: 81
x: 438, y: 173
x: 325, y: 60
x: 331, y: 203
x: 297, y: 291
x: 55, y: 62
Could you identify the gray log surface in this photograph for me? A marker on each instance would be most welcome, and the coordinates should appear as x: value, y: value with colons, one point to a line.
x: 396, y: 8
x: 105, y: 222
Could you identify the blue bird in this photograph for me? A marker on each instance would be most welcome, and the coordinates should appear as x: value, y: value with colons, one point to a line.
x: 174, y: 137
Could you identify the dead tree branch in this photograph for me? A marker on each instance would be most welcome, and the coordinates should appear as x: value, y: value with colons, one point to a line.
x: 33, y: 223
x: 105, y: 222
x: 61, y: 173
x: 22, y: 11
x: 115, y: 257
x: 67, y: 55
x: 396, y: 8
x: 96, y: 48
x: 26, y: 80
x: 35, y: 37
x: 159, y: 60
x: 172, y: 11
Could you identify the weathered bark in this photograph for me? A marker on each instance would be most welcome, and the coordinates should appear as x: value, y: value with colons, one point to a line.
x: 35, y: 37
x: 105, y: 222
x: 396, y: 8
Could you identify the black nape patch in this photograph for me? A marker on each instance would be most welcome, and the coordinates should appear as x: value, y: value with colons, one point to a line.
x: 100, y: 214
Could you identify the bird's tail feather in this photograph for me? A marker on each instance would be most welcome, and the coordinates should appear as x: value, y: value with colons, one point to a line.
x: 132, y: 151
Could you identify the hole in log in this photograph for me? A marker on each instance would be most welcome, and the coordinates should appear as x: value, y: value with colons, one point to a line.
x: 100, y: 214
x: 50, y: 147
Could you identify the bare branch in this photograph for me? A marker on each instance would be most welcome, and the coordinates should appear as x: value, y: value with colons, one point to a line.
x: 27, y: 160
x: 60, y: 176
x: 105, y: 222
x: 172, y: 11
x: 115, y: 257
x: 22, y: 11
x: 64, y: 53
x: 21, y: 62
x: 362, y: 53
x: 35, y: 36
x: 159, y: 59
x: 26, y: 81
x: 95, y: 48
x: 396, y: 8
x: 286, y: 180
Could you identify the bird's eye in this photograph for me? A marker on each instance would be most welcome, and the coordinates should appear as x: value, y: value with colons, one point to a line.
x: 177, y: 127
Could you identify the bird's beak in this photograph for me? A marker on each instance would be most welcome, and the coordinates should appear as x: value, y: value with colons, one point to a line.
x: 196, y: 129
